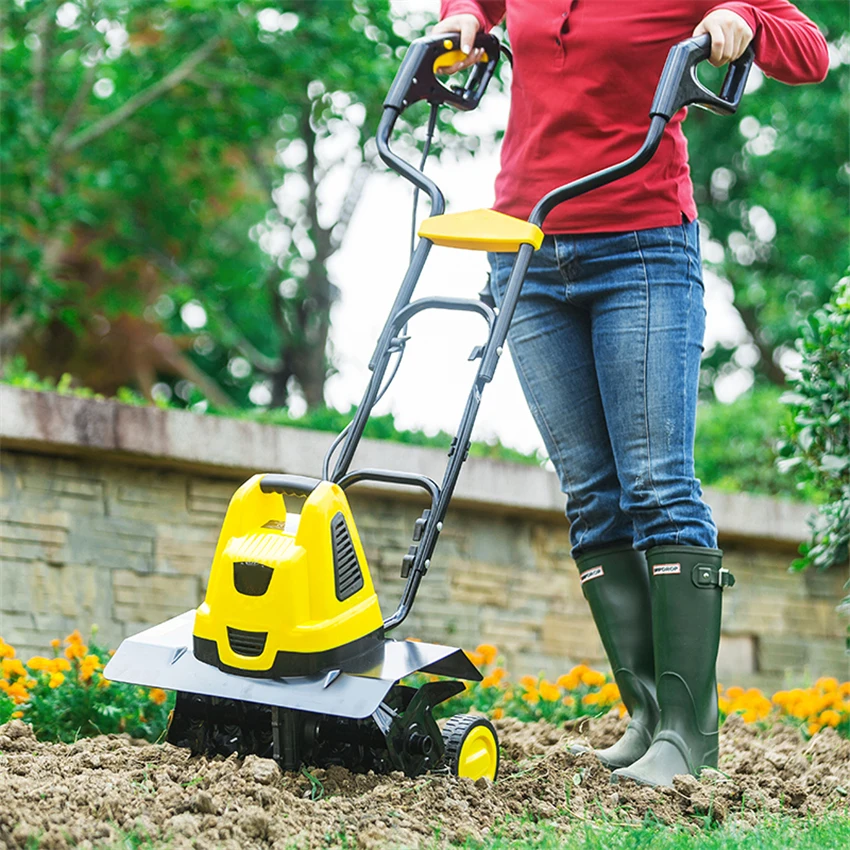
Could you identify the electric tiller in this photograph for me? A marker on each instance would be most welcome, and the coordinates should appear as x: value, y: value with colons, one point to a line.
x: 287, y: 657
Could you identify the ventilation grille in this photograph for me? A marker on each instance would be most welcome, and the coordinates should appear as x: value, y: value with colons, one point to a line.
x: 347, y: 573
x: 251, y: 578
x: 247, y: 644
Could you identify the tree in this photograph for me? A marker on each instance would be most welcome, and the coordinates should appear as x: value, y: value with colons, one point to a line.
x: 143, y: 140
x: 773, y: 194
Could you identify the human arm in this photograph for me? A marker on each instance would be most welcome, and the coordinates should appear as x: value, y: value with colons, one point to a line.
x: 788, y: 45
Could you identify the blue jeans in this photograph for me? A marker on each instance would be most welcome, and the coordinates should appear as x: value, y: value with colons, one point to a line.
x: 606, y: 340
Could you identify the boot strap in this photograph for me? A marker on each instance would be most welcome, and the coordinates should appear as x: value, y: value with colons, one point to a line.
x: 707, y: 575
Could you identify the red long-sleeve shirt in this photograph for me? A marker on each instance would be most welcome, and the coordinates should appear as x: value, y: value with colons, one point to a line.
x: 585, y: 72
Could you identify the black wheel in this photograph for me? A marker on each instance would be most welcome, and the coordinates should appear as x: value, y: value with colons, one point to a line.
x: 472, y: 747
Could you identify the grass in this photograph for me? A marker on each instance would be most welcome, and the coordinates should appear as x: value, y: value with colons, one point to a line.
x: 774, y: 832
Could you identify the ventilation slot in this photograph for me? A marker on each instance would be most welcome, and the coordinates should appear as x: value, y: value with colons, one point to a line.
x: 247, y: 644
x: 251, y: 578
x: 347, y: 573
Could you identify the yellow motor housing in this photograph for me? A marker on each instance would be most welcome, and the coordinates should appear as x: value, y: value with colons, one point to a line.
x: 287, y: 598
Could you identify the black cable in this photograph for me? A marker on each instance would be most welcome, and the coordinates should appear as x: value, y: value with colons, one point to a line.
x: 432, y: 123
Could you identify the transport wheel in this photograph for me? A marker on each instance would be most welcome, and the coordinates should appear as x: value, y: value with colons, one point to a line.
x: 472, y: 747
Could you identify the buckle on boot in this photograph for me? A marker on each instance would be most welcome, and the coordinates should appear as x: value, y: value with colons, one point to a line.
x: 706, y: 575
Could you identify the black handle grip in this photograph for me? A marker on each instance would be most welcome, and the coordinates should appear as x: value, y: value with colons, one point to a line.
x: 299, y: 484
x: 680, y: 87
x: 417, y: 81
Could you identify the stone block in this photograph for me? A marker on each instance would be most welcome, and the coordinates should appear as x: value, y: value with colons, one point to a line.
x: 572, y: 637
x: 184, y: 548
x: 113, y: 542
x: 148, y: 599
x: 737, y: 659
x: 480, y: 583
x: 27, y: 533
x: 60, y: 485
x: 779, y: 654
x: 209, y: 497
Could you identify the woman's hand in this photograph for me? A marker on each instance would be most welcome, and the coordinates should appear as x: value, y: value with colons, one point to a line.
x: 730, y: 35
x: 467, y: 26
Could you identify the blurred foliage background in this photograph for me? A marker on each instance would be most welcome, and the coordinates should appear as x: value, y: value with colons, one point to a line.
x: 166, y: 217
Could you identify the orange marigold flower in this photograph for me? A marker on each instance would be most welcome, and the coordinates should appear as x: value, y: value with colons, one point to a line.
x: 158, y: 695
x: 488, y: 652
x: 531, y: 696
x: 56, y: 643
x: 499, y: 673
x: 590, y: 699
x: 593, y: 678
x: 569, y: 681
x: 4, y: 686
x: 475, y: 657
x: 56, y: 679
x: 814, y: 728
x: 830, y: 717
x: 735, y: 692
x: 568, y: 700
x: 103, y: 683
x: 12, y: 667
x: 38, y: 663
x: 75, y: 650
x: 529, y: 682
x: 17, y: 692
x: 498, y: 713
x: 17, y: 715
x: 609, y: 693
x: 827, y: 683
x: 549, y: 692
x: 6, y: 651
x: 490, y: 681
x: 57, y: 665
x: 74, y: 637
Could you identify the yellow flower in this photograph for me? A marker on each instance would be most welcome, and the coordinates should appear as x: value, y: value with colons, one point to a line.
x: 491, y: 681
x: 475, y: 657
x: 56, y: 643
x: 75, y: 650
x: 827, y: 683
x: 88, y: 666
x: 58, y: 665
x: 568, y: 700
x: 12, y: 667
x: 17, y: 692
x: 38, y: 663
x: 17, y: 715
x: 590, y: 699
x: 531, y: 696
x: 4, y: 686
x: 735, y: 692
x: 158, y: 696
x: 830, y: 717
x: 569, y: 681
x: 488, y: 652
x: 549, y: 692
x: 814, y: 728
x: 529, y: 682
x: 593, y: 678
x: 609, y: 693
x: 56, y: 679
x: 498, y: 713
x: 6, y: 651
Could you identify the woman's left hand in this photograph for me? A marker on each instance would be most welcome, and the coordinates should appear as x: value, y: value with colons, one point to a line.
x: 730, y: 35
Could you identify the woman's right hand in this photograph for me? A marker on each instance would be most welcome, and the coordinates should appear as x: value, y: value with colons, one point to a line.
x: 467, y: 26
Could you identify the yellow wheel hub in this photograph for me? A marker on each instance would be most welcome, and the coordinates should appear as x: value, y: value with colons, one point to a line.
x: 478, y: 755
x: 472, y: 748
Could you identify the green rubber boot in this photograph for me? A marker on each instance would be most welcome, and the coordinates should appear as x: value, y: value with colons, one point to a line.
x: 687, y: 590
x: 615, y: 582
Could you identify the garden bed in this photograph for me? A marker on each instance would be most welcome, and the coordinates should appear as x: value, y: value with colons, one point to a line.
x: 97, y: 791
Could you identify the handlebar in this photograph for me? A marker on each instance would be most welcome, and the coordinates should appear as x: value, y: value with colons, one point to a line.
x: 680, y: 87
x: 416, y: 79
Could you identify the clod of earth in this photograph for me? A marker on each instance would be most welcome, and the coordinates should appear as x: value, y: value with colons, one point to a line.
x: 63, y: 795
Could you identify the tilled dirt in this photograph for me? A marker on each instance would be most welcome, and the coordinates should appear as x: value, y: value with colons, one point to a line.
x: 89, y: 793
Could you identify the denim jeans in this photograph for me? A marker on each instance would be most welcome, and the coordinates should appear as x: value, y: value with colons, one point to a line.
x: 606, y: 341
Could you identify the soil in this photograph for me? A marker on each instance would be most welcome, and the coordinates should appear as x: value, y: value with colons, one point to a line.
x: 89, y: 793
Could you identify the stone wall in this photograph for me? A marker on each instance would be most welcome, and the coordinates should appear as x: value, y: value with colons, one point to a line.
x: 109, y: 516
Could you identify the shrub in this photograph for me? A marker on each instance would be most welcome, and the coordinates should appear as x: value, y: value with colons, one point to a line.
x: 66, y: 696
x: 818, y: 438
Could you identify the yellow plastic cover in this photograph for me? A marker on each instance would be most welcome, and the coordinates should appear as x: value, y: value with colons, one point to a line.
x: 481, y: 230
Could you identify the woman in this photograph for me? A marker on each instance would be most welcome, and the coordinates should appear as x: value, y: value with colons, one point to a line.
x: 608, y: 333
